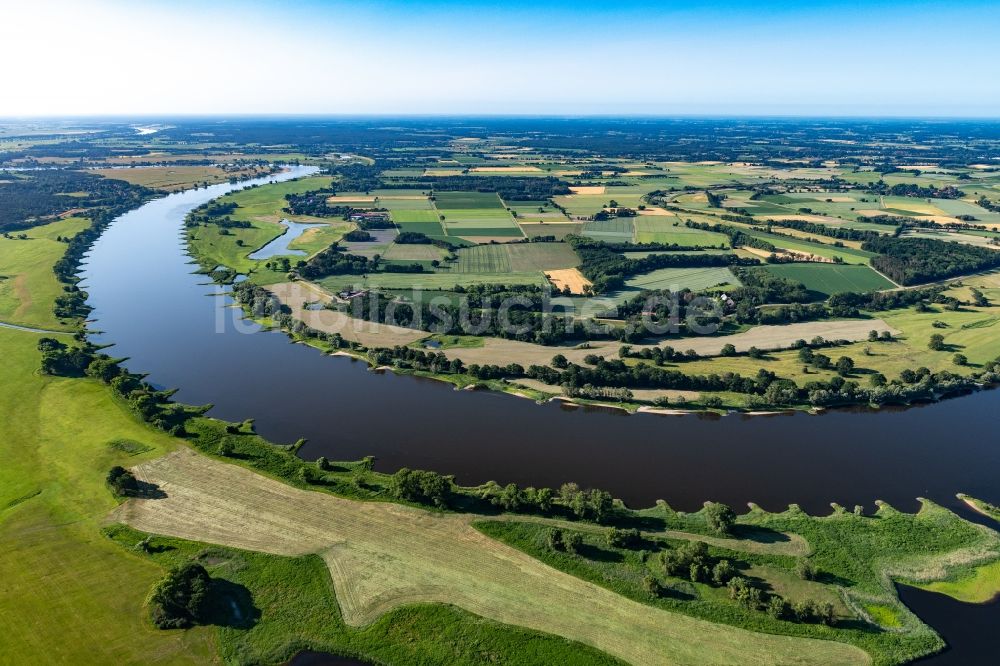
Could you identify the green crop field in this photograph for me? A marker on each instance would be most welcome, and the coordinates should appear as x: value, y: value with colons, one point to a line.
x: 459, y: 200
x: 514, y: 257
x: 410, y: 215
x: 830, y: 279
x: 849, y: 255
x: 426, y: 228
x: 617, y: 229
x: 662, y: 229
x: 695, y: 279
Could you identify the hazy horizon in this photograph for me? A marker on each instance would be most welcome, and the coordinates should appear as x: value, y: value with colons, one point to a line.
x: 773, y: 58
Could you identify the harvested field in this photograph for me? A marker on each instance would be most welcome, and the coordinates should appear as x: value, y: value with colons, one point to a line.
x: 383, y: 555
x: 568, y: 277
x: 588, y: 189
x: 296, y: 295
x: 495, y: 350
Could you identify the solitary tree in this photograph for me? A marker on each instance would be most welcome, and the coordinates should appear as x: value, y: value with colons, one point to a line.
x: 720, y: 517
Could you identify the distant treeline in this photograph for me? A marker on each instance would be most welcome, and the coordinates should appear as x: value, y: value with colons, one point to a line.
x: 510, y: 188
x: 917, y: 260
x: 914, y: 190
x: 29, y: 200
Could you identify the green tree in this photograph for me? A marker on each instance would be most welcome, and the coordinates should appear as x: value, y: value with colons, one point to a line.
x: 180, y: 599
x: 720, y: 517
x: 845, y: 365
x: 122, y: 482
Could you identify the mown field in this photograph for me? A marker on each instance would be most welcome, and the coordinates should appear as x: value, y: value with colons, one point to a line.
x: 420, y: 556
x: 829, y: 279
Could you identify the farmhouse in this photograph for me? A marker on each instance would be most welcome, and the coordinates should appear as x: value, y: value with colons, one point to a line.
x: 370, y: 216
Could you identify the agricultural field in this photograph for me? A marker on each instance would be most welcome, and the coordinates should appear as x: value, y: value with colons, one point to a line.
x: 514, y: 257
x: 615, y: 230
x: 829, y: 279
x: 467, y: 200
x: 695, y: 279
x: 848, y: 254
x: 670, y: 230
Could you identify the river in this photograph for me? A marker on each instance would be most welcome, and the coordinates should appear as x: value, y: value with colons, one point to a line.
x: 182, y: 330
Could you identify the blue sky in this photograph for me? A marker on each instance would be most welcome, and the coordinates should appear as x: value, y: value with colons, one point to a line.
x: 568, y: 58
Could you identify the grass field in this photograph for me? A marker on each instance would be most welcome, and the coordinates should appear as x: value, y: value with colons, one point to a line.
x: 382, y: 556
x: 69, y: 595
x: 514, y: 257
x: 828, y: 279
x: 28, y: 286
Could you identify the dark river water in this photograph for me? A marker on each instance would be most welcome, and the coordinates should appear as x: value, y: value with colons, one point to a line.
x: 180, y: 329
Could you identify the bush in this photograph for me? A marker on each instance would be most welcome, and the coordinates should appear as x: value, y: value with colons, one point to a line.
x: 805, y: 569
x: 573, y: 541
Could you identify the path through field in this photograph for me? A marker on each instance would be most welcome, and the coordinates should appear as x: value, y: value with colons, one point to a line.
x: 385, y: 555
